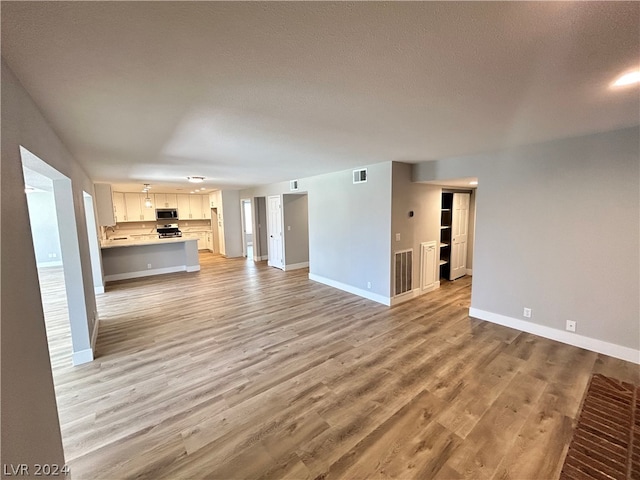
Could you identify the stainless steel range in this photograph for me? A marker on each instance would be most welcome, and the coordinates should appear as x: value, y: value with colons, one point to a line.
x: 169, y: 230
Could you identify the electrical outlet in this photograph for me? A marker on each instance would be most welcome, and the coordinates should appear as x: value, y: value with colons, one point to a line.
x: 527, y: 312
x: 571, y: 326
x: 148, y: 265
x: 368, y: 284
x: 397, y: 237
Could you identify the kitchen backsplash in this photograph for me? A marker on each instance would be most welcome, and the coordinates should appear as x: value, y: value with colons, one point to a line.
x: 149, y: 228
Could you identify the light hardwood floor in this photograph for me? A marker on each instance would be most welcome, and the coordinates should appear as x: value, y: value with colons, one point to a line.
x: 245, y: 371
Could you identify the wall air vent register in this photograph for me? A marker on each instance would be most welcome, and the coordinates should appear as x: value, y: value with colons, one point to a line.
x: 360, y: 175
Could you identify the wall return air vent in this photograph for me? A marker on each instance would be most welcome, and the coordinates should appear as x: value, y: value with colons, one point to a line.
x: 360, y: 175
x: 403, y: 271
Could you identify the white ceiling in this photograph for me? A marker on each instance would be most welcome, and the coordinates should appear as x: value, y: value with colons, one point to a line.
x: 247, y: 92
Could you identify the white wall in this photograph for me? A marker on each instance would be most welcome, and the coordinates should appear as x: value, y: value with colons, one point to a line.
x: 349, y: 228
x: 558, y: 231
x: 44, y: 226
x: 30, y: 428
x: 232, y: 221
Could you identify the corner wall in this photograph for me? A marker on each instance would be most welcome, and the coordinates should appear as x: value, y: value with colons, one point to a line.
x: 30, y: 427
x: 558, y: 231
x: 425, y: 202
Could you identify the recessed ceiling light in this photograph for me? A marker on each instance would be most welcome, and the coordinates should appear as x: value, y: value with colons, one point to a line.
x: 196, y: 179
x: 473, y: 182
x: 626, y: 79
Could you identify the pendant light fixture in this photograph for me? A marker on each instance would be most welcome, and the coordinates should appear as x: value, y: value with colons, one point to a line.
x: 147, y: 201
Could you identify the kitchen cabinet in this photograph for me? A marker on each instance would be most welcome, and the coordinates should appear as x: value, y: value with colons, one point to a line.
x: 193, y: 207
x: 136, y: 209
x: 201, y: 237
x: 166, y: 200
x: 206, y: 209
x: 184, y: 209
x: 200, y: 207
x: 104, y: 204
x: 195, y: 204
x: 202, y: 241
x: 119, y: 208
x: 130, y: 207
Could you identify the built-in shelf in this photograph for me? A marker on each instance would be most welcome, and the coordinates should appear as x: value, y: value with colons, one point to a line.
x: 445, y: 234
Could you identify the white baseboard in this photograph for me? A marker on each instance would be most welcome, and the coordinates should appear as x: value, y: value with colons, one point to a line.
x: 193, y: 268
x: 588, y: 343
x: 351, y: 289
x: 416, y: 292
x: 259, y: 258
x: 145, y: 273
x: 470, y: 271
x: 295, y: 266
x: 82, y: 356
x: 94, y: 335
x: 98, y: 290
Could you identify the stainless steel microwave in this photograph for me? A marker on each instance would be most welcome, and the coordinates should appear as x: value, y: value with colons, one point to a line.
x: 166, y: 214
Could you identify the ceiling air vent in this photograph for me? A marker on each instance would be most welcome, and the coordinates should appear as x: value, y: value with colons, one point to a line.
x: 360, y: 176
x: 293, y: 185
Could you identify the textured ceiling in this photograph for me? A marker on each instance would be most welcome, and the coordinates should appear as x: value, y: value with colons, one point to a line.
x: 248, y: 93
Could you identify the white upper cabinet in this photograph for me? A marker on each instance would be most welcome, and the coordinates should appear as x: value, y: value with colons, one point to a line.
x: 132, y: 203
x: 136, y: 210
x: 193, y: 207
x: 184, y: 208
x: 119, y: 208
x: 166, y: 200
x: 130, y: 207
x: 104, y: 204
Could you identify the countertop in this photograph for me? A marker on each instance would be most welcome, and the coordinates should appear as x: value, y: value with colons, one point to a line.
x: 137, y: 243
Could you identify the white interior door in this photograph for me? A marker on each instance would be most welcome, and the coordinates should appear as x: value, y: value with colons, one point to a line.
x: 459, y: 235
x: 274, y: 231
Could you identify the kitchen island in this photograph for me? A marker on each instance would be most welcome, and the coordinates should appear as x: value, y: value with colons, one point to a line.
x: 123, y: 259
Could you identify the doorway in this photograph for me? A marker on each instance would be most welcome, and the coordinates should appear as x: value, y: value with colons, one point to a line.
x: 260, y: 235
x: 62, y: 285
x: 94, y: 244
x: 457, y: 227
x: 246, y: 214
